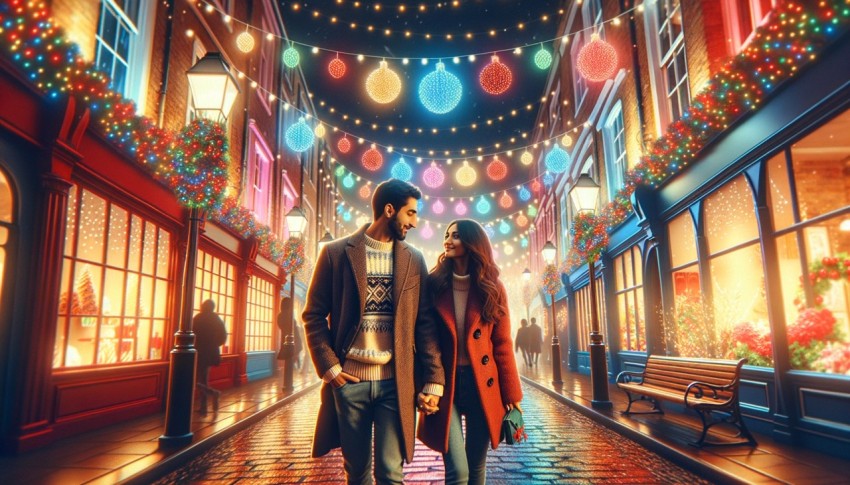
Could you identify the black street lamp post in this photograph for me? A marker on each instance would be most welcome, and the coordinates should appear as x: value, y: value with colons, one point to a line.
x: 214, y: 90
x: 585, y: 195
x: 296, y: 222
x: 549, y: 253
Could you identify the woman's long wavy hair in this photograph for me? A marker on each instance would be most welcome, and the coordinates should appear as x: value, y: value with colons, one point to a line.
x: 484, y: 273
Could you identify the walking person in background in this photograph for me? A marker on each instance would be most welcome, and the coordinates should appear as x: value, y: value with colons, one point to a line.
x: 210, y: 334
x: 367, y: 319
x: 482, y: 382
x: 521, y: 342
x: 535, y: 341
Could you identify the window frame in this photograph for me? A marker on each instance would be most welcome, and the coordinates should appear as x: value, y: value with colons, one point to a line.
x: 661, y: 62
x: 616, y: 159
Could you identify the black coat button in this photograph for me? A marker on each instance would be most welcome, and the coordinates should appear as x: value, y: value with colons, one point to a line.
x: 485, y: 360
x: 490, y: 382
x: 476, y: 334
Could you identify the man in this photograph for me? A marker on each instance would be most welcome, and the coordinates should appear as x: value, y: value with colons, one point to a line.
x: 535, y: 341
x: 521, y: 341
x: 210, y: 334
x: 367, y: 317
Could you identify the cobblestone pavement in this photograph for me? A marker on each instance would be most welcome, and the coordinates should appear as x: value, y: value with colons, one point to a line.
x: 563, y: 447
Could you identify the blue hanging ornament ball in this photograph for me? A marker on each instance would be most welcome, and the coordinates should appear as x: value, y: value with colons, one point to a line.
x: 523, y: 243
x: 440, y: 91
x: 557, y: 160
x: 504, y: 227
x: 402, y: 171
x: 548, y: 179
x: 489, y: 230
x: 348, y: 181
x: 299, y: 137
x: 483, y: 205
x: 524, y: 194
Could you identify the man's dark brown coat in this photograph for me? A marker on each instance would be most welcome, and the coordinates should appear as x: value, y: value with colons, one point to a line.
x: 335, y: 303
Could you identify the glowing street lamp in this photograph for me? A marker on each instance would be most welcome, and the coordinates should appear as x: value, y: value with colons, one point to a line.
x: 550, y: 253
x: 213, y: 86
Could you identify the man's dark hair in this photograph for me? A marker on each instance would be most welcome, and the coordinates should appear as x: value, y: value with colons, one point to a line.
x: 395, y: 192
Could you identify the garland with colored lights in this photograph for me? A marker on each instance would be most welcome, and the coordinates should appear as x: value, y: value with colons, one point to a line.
x: 293, y: 255
x: 793, y: 37
x: 589, y: 237
x: 193, y: 162
x: 551, y: 279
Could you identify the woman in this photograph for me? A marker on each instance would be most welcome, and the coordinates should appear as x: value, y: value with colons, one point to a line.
x: 482, y: 382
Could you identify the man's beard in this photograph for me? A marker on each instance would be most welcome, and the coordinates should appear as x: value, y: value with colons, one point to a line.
x: 395, y: 228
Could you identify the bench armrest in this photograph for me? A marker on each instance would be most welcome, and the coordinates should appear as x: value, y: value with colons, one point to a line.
x: 630, y: 376
x: 703, y: 389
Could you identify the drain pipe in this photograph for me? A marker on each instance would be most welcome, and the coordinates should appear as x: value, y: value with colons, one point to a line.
x: 635, y: 68
x: 166, y: 58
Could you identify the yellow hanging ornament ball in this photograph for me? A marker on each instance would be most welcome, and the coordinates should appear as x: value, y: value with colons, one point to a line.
x: 383, y: 85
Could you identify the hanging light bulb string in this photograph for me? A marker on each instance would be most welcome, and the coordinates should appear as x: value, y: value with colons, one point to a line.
x: 470, y: 56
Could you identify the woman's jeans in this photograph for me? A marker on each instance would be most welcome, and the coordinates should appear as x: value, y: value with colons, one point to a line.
x: 467, y: 463
x: 358, y: 405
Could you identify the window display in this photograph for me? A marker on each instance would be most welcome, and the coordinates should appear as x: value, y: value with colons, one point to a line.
x: 215, y: 280
x: 113, y: 301
x: 628, y: 277
x: 260, y: 320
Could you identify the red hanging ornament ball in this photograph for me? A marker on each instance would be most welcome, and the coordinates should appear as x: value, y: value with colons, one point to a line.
x: 372, y: 159
x: 365, y: 192
x: 505, y: 201
x: 336, y: 68
x: 497, y: 169
x: 536, y: 186
x: 597, y: 60
x: 344, y: 145
x: 496, y: 77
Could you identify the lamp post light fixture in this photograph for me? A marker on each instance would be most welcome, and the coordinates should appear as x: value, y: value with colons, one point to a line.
x: 296, y: 223
x: 550, y: 253
x: 526, y: 279
x: 324, y: 240
x: 213, y: 86
x: 585, y: 196
x: 214, y: 90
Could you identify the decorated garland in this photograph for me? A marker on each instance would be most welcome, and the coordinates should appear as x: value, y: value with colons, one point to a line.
x: 823, y: 273
x: 293, y: 255
x: 590, y: 237
x: 791, y: 39
x: 551, y: 279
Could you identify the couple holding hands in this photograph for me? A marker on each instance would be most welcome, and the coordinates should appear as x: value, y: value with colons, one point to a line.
x: 388, y: 338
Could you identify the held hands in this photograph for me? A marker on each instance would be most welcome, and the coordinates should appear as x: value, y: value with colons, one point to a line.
x: 427, y: 403
x: 512, y: 405
x: 342, y: 379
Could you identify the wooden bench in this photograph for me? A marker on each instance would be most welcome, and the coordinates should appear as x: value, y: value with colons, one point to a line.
x: 708, y: 386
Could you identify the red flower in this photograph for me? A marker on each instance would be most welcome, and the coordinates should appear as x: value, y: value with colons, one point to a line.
x: 757, y: 339
x: 811, y: 325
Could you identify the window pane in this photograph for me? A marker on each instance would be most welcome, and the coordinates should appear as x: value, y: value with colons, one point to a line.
x: 162, y: 254
x: 6, y: 207
x: 779, y: 196
x: 131, y: 301
x: 627, y: 263
x: 117, y: 245
x: 113, y: 292
x: 683, y: 243
x: 820, y: 168
x: 92, y: 226
x: 638, y: 271
x: 71, y: 221
x: 730, y: 217
x: 149, y: 249
x: 135, y: 243
x: 740, y: 307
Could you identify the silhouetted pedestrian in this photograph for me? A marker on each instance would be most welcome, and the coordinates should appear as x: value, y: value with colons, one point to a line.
x: 210, y: 334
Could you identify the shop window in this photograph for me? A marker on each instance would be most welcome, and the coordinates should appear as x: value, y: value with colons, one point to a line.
x: 215, y: 280
x: 614, y: 135
x: 669, y: 71
x: 584, y: 317
x: 114, y: 286
x: 813, y: 245
x: 688, y: 310
x: 579, y: 83
x: 7, y: 209
x: 260, y: 320
x: 628, y: 277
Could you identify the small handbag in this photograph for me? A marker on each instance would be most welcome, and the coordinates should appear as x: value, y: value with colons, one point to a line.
x: 513, y: 428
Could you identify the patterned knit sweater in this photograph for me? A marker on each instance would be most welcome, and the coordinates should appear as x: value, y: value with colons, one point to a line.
x: 460, y: 288
x: 372, y: 350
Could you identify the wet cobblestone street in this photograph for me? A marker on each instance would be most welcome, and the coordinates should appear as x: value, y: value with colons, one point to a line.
x: 563, y: 447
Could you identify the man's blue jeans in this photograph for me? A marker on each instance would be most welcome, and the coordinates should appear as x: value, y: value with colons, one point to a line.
x: 358, y: 405
x: 467, y: 462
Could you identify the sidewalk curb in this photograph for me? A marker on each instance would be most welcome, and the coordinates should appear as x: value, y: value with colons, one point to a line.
x: 185, y: 455
x: 699, y: 467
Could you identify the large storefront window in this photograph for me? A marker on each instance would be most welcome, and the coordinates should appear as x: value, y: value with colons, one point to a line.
x: 6, y: 211
x: 685, y: 326
x: 259, y: 323
x: 812, y: 221
x: 215, y: 280
x: 584, y: 317
x: 628, y: 275
x: 115, y: 285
